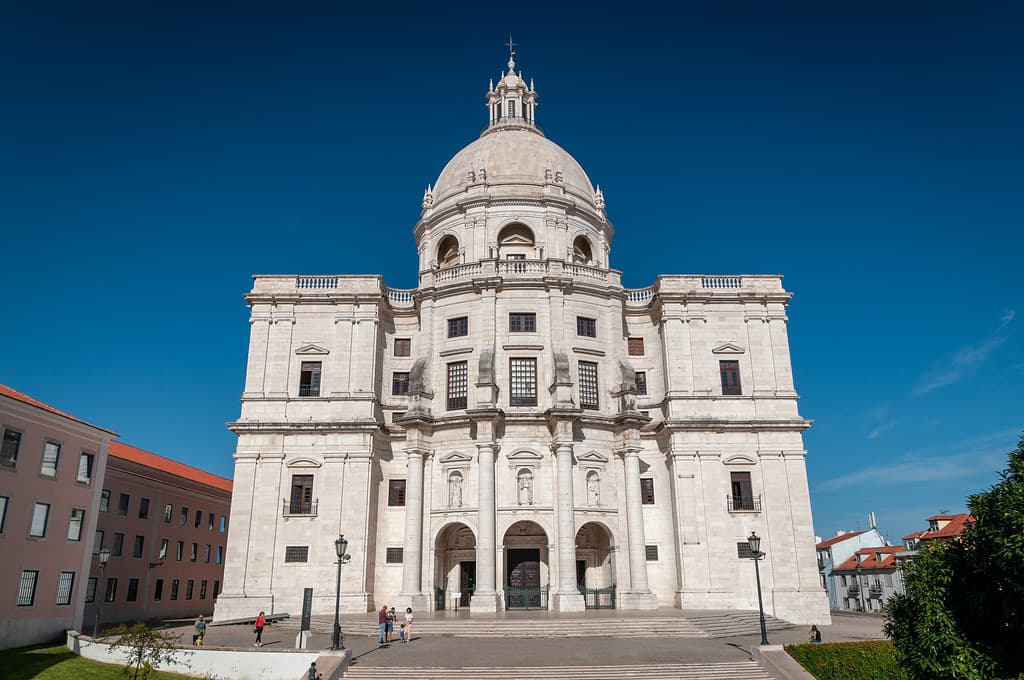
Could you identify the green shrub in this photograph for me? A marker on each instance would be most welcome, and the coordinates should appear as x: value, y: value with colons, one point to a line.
x: 873, y: 660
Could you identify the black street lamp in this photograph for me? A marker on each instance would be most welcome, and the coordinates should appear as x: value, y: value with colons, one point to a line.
x: 754, y: 541
x: 104, y: 558
x: 340, y: 547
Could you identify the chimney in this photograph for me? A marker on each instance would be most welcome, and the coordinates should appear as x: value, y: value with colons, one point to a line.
x: 871, y: 520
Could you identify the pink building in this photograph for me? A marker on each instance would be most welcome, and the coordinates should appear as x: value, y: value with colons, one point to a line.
x: 165, y: 524
x: 51, y: 474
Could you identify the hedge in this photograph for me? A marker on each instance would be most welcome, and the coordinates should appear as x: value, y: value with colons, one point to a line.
x: 872, y: 660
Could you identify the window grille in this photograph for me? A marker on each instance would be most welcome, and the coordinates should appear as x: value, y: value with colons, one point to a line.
x: 588, y: 384
x: 458, y: 327
x: 522, y: 323
x: 647, y: 491
x: 742, y: 492
x: 27, y: 588
x: 394, y: 556
x: 523, y: 378
x: 730, y: 371
x: 296, y: 553
x: 641, y: 382
x: 309, y: 379
x: 586, y: 327
x: 652, y: 553
x: 65, y: 584
x: 743, y: 550
x: 400, y: 383
x: 458, y: 374
x: 396, y: 492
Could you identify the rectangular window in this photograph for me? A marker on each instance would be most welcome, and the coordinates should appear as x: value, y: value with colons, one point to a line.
x: 137, y: 549
x: 184, y: 515
x: 118, y: 545
x: 202, y: 589
x: 396, y: 492
x: 403, y: 347
x: 190, y: 587
x: 97, y: 541
x: 393, y: 556
x: 174, y: 588
x: 110, y: 594
x: 180, y: 553
x: 742, y: 492
x: 302, y: 495
x: 133, y: 590
x: 588, y: 384
x: 105, y: 500
x: 458, y: 327
x: 27, y: 588
x: 216, y: 588
x: 730, y: 371
x: 220, y: 554
x: 168, y: 513
x: 193, y: 554
x: 9, y: 448
x: 85, y: 468
x: 164, y: 545
x: 75, y: 524
x: 65, y: 584
x: 635, y: 347
x: 212, y: 520
x: 90, y: 590
x: 199, y: 519
x: 652, y: 553
x: 586, y: 327
x: 158, y: 590
x: 206, y: 553
x: 3, y: 512
x: 523, y: 381
x: 400, y: 382
x: 51, y: 453
x: 40, y: 517
x: 522, y: 322
x: 143, y: 508
x: 743, y: 550
x: 309, y: 379
x: 888, y: 580
x: 223, y: 523
x: 458, y: 378
x: 647, y: 491
x: 511, y: 108
x: 123, y: 501
x: 296, y: 553
x: 641, y: 382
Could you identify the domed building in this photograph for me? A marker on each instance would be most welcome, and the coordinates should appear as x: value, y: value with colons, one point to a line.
x: 519, y: 431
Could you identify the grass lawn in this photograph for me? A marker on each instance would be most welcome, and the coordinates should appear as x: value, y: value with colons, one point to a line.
x: 57, y: 662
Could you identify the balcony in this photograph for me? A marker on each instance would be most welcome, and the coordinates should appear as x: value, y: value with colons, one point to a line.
x: 298, y: 508
x: 853, y: 591
x: 743, y: 503
x: 875, y: 591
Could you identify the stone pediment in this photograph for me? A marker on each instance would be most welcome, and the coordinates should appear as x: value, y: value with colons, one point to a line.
x: 310, y: 348
x: 740, y: 459
x: 592, y: 457
x: 303, y: 463
x: 455, y: 457
x: 728, y: 348
x: 525, y: 456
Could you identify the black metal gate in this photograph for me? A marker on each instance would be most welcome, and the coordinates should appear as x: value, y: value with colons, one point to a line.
x: 599, y: 598
x: 439, y: 600
x: 526, y: 598
x: 523, y: 590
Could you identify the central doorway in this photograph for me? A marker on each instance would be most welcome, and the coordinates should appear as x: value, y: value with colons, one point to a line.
x: 526, y: 571
x: 467, y: 582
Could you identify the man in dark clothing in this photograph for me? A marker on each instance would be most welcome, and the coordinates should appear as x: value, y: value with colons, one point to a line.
x: 382, y: 623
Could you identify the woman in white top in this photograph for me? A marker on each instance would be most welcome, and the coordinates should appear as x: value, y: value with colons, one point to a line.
x: 408, y: 624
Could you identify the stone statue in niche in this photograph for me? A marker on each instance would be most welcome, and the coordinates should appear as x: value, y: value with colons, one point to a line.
x: 455, y: 490
x: 525, y: 487
x: 593, y: 489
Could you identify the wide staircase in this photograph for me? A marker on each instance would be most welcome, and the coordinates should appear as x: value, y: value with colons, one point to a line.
x: 733, y: 670
x: 675, y: 624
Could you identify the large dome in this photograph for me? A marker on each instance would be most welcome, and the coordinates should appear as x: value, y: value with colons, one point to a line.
x: 512, y: 156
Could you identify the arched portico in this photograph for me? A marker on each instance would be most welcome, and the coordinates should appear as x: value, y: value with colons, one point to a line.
x: 595, y: 568
x: 454, y: 565
x: 526, y: 572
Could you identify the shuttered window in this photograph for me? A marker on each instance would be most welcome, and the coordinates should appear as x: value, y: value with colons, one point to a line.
x: 394, y: 556
x: 400, y: 383
x: 40, y: 517
x: 396, y: 492
x: 730, y: 371
x: 743, y: 550
x: 647, y: 491
x: 652, y: 553
x: 403, y: 347
x: 51, y: 453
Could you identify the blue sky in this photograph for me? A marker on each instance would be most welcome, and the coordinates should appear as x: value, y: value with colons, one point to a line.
x: 155, y: 155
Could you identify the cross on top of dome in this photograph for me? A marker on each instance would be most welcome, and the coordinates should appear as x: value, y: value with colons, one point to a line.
x: 512, y: 103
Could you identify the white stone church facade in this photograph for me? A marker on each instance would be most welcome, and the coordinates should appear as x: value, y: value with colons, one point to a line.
x: 519, y: 431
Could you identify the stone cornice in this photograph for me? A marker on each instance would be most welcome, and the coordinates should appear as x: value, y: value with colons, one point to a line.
x: 267, y: 427
x: 706, y: 424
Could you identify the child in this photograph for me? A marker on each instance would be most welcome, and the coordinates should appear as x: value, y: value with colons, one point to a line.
x: 401, y: 632
x: 199, y: 641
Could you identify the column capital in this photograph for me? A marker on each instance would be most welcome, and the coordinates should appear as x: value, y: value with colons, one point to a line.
x: 627, y: 451
x: 417, y: 453
x: 493, y: 447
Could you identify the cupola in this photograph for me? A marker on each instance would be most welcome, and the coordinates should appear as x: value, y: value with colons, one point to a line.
x: 512, y: 103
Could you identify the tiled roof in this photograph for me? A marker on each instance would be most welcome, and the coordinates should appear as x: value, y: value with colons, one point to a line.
x: 839, y: 539
x: 25, y: 399
x: 955, y: 527
x: 868, y: 560
x: 130, y: 453
x: 916, y: 534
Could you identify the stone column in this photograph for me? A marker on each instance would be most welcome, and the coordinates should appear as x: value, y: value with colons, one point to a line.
x: 567, y: 597
x: 412, y: 595
x: 639, y: 595
x: 485, y: 596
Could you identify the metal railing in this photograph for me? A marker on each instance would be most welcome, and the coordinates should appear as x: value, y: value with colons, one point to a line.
x: 598, y: 598
x: 743, y: 503
x: 307, y: 508
x: 526, y: 598
x: 875, y: 590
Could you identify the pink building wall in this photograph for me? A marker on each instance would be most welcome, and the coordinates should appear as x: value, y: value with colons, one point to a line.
x: 23, y: 483
x: 141, y: 475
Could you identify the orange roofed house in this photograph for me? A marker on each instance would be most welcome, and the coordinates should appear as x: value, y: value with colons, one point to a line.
x: 165, y: 524
x: 51, y: 472
x: 868, y: 578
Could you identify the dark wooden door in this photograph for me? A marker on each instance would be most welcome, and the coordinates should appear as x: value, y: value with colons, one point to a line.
x: 581, y: 573
x: 524, y: 568
x: 467, y: 582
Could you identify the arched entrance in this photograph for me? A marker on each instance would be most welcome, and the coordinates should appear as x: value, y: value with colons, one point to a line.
x: 525, y: 547
x: 595, y: 571
x: 455, y: 566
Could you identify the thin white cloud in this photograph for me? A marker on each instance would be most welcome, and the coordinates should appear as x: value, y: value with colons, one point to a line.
x: 882, y: 429
x: 965, y: 362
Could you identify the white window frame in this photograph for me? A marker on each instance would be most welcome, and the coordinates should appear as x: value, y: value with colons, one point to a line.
x: 38, y: 507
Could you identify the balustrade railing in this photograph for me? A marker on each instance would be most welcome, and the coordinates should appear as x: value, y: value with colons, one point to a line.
x: 640, y: 295
x: 316, y: 282
x: 289, y: 507
x: 399, y: 295
x: 743, y: 503
x: 721, y: 282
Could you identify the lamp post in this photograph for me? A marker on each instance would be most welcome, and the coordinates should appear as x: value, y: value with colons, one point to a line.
x: 340, y: 547
x: 104, y: 558
x: 754, y: 541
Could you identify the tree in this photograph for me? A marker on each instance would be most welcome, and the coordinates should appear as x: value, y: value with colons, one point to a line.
x: 147, y: 647
x: 962, y: 616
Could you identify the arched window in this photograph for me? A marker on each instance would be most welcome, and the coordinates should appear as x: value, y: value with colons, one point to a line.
x: 581, y: 251
x: 448, y: 252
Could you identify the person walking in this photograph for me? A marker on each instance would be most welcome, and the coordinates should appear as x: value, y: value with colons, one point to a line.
x: 409, y: 618
x: 389, y: 630
x: 198, y: 631
x: 313, y: 673
x: 261, y: 621
x: 382, y: 624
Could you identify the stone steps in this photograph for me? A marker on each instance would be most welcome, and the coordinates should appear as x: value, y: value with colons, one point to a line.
x: 733, y: 670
